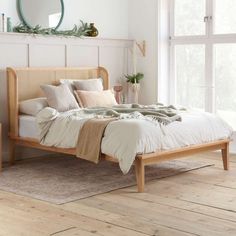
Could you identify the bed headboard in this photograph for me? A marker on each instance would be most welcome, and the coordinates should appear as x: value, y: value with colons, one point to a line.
x: 24, y: 83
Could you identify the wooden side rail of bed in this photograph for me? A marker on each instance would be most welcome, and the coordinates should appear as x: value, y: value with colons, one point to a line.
x: 141, y: 160
x: 21, y: 79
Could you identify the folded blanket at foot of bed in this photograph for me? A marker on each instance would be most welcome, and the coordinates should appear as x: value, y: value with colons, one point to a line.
x: 90, y: 138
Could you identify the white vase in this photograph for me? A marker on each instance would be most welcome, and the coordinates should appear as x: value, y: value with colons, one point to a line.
x: 133, y: 92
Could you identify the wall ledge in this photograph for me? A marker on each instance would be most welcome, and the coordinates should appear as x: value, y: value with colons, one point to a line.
x: 57, y: 37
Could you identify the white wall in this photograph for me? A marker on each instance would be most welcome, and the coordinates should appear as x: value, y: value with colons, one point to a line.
x: 8, y: 7
x: 143, y: 25
x: 110, y: 16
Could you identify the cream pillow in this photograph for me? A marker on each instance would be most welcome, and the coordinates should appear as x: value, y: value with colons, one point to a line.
x: 95, y: 98
x: 32, y: 106
x: 60, y: 97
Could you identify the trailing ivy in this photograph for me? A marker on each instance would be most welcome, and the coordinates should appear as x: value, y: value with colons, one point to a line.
x: 77, y: 31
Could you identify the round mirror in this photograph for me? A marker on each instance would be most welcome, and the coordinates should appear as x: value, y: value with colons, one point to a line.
x: 46, y: 14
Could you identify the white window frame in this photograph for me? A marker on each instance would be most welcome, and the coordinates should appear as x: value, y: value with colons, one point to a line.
x: 209, y: 40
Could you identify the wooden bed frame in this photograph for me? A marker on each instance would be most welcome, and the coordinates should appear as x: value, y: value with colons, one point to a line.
x: 24, y: 83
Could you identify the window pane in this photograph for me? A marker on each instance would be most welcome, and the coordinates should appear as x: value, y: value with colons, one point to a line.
x: 225, y: 80
x: 190, y: 75
x: 189, y: 17
x: 225, y: 16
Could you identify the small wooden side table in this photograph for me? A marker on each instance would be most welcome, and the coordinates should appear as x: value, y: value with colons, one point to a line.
x: 0, y: 147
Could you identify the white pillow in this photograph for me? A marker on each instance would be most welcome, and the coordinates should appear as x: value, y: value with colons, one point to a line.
x: 103, y: 98
x: 60, y: 97
x: 89, y: 85
x: 69, y: 83
x: 33, y: 106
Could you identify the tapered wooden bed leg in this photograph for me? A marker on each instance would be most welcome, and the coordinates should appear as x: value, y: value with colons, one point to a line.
x: 225, y: 156
x: 140, y: 174
x: 12, y: 152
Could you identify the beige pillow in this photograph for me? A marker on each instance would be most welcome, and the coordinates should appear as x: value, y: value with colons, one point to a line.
x: 89, y: 85
x: 32, y: 106
x: 60, y: 97
x: 95, y: 98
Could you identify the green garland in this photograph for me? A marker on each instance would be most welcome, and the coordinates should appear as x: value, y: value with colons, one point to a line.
x: 77, y: 31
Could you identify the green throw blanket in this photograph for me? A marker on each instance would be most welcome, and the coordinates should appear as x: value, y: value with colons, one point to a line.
x: 156, y: 113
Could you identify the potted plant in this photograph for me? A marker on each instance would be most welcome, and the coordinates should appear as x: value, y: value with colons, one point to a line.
x: 135, y: 78
x: 134, y: 86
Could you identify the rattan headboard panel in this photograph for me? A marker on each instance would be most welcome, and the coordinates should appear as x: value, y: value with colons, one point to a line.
x: 30, y: 79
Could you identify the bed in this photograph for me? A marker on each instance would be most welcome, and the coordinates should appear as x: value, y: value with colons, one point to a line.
x: 21, y: 79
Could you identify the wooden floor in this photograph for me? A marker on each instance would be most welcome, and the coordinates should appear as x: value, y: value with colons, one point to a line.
x: 200, y: 202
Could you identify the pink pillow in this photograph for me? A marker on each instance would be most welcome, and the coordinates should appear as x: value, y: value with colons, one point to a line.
x: 103, y: 98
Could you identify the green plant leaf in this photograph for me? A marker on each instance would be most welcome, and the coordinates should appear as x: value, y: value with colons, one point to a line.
x: 134, y: 78
x: 77, y: 31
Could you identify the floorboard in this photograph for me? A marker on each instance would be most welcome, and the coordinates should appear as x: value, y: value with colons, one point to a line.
x: 199, y: 202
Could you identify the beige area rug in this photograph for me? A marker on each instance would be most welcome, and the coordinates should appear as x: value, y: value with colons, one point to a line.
x: 63, y: 179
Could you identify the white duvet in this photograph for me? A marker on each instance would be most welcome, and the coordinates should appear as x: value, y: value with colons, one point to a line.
x: 125, y: 138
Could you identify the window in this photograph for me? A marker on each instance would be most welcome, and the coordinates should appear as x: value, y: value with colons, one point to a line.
x: 225, y: 81
x: 190, y: 74
x: 203, y: 56
x: 225, y: 20
x: 188, y: 17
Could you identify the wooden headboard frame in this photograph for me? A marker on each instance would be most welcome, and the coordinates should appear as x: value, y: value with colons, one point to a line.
x: 24, y: 83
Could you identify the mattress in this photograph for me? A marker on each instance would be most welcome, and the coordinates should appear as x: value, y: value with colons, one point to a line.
x: 28, y: 127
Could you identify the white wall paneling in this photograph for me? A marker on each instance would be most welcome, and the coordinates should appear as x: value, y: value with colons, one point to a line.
x: 82, y: 55
x: 117, y: 69
x: 13, y: 54
x: 47, y: 55
x: 22, y: 50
